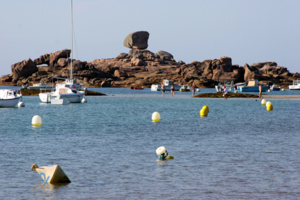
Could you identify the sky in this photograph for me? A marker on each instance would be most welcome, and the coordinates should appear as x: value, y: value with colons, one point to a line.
x: 248, y: 31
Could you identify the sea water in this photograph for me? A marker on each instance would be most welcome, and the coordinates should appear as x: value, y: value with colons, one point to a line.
x: 107, y: 148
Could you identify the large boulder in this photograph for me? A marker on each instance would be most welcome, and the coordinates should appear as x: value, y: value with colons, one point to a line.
x: 23, y: 69
x: 137, y: 40
x: 59, y: 54
x: 251, y: 73
x: 164, y: 55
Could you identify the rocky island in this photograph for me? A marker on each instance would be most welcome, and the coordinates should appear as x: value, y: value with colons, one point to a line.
x: 141, y: 67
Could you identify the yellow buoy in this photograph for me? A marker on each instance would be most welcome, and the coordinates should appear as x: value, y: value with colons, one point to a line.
x: 268, y: 102
x: 156, y: 117
x: 269, y: 107
x: 263, y: 102
x: 204, y: 111
x: 36, y: 120
x: 206, y: 107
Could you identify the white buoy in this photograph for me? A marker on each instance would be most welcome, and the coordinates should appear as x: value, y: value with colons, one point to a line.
x: 282, y: 89
x: 36, y: 120
x: 269, y: 90
x: 83, y: 100
x: 156, y: 117
x: 163, y: 153
x: 263, y: 102
x: 198, y: 90
x: 21, y: 104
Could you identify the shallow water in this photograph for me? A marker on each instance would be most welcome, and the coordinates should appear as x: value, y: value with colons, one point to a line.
x: 107, y: 148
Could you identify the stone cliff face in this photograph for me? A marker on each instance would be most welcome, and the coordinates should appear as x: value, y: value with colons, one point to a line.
x: 141, y: 67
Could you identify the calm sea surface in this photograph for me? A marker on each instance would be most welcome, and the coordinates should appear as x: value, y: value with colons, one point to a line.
x: 107, y: 148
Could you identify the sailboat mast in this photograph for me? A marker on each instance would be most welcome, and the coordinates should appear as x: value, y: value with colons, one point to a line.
x: 71, y: 73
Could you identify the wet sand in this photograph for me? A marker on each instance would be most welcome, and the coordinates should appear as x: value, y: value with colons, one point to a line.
x: 281, y: 96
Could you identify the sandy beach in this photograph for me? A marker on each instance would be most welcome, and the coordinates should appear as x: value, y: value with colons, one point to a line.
x: 281, y: 96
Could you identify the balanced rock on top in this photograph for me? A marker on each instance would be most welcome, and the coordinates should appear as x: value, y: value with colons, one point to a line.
x: 137, y: 40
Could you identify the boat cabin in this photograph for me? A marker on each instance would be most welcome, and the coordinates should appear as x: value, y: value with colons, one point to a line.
x: 252, y: 83
x: 168, y: 82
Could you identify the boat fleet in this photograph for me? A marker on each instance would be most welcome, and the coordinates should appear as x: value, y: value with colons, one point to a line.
x: 72, y: 92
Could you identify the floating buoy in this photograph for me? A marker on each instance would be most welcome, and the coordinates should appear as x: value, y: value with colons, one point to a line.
x: 163, y: 153
x: 282, y: 89
x: 36, y: 120
x: 83, y: 100
x: 21, y: 104
x: 269, y: 107
x: 268, y: 102
x: 204, y: 111
x: 269, y: 90
x: 156, y: 117
x: 198, y: 90
x: 263, y: 102
x: 51, y: 174
x: 206, y: 107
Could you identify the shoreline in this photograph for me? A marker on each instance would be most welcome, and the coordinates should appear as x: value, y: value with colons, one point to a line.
x: 281, y: 96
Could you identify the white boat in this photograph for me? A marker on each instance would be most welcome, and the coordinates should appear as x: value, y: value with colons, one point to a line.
x: 66, y: 91
x: 167, y: 84
x: 229, y: 83
x: 69, y: 89
x: 295, y: 86
x: 185, y: 88
x: 274, y: 88
x: 41, y: 86
x: 9, y: 98
x: 51, y: 174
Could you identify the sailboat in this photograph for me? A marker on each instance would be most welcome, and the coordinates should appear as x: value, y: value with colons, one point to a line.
x: 66, y: 92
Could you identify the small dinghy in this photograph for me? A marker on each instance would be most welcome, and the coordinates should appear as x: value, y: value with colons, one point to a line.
x: 51, y: 174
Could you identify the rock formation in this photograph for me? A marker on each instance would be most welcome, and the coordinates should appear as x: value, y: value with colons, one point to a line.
x: 141, y: 67
x: 137, y: 40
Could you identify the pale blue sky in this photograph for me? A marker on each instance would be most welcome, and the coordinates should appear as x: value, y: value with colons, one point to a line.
x: 248, y: 31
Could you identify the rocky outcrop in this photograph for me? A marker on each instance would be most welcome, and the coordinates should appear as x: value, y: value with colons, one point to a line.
x: 141, y: 67
x: 23, y: 69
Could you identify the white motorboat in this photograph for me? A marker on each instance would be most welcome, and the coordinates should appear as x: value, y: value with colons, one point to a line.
x: 167, y: 84
x: 185, y: 88
x: 70, y: 89
x: 295, y: 86
x: 229, y: 83
x: 41, y: 86
x: 9, y: 98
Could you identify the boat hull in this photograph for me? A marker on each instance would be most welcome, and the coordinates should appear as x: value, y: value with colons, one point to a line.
x: 73, y: 98
x: 155, y: 87
x: 9, y: 102
x: 294, y: 87
x: 252, y: 89
x: 45, y: 97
